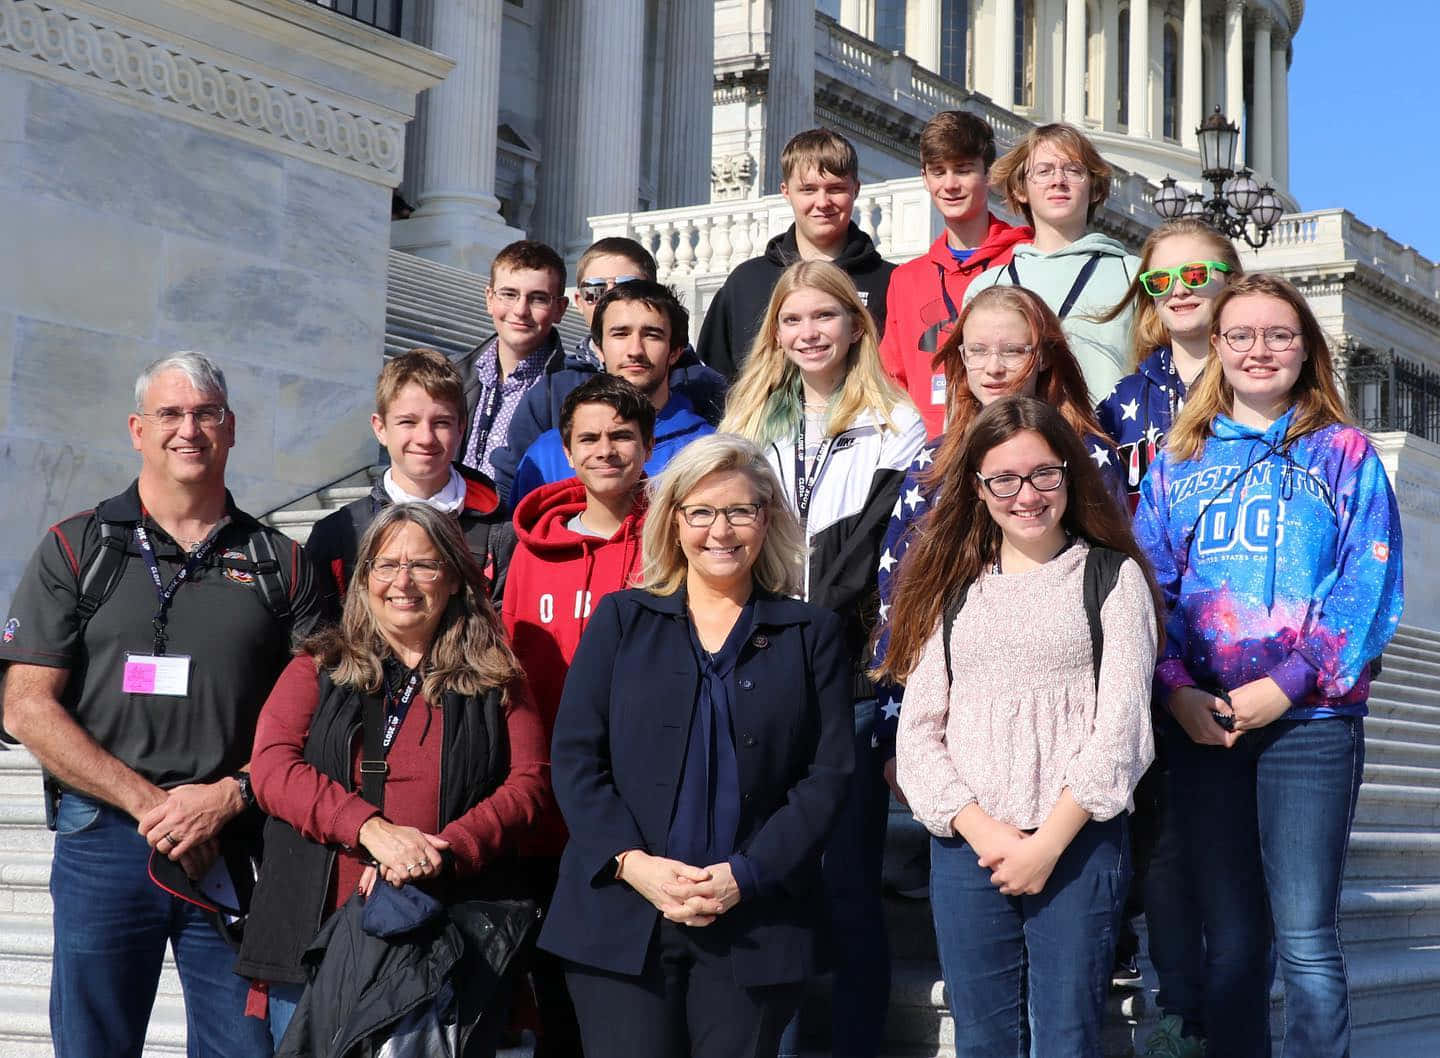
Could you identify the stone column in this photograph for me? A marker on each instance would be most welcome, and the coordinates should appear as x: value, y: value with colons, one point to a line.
x: 1140, y: 68
x: 790, y: 94
x: 1261, y: 112
x: 458, y: 220
x: 858, y: 16
x: 1002, y: 91
x: 591, y: 158
x: 922, y: 33
x: 1280, y: 100
x: 688, y: 104
x: 1192, y: 71
x: 1075, y: 48
x: 1235, y: 68
x: 1110, y: 56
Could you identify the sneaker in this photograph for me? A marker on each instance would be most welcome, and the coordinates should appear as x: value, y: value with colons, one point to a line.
x: 911, y: 879
x: 1168, y: 1041
x: 1126, y: 973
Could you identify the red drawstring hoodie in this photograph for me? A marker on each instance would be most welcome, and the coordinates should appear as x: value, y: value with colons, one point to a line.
x: 555, y: 579
x: 922, y: 307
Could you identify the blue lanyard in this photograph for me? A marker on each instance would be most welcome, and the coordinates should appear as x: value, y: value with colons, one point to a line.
x: 165, y: 593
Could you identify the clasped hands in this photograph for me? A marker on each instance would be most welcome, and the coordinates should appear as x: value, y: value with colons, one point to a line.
x: 1019, y: 863
x: 183, y: 823
x: 402, y: 854
x: 1254, y: 705
x: 690, y: 896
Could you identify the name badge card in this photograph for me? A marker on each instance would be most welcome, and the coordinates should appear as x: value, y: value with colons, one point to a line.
x: 157, y: 674
x: 937, y: 389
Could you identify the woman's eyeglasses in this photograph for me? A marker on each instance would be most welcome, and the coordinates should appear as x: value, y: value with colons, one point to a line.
x: 1158, y: 282
x: 702, y: 516
x: 1042, y: 479
x: 422, y: 570
x: 1277, y: 339
x: 1010, y: 355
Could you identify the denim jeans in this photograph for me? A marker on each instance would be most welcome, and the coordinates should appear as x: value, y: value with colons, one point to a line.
x: 1029, y: 975
x: 859, y: 944
x: 111, y: 927
x: 1269, y: 826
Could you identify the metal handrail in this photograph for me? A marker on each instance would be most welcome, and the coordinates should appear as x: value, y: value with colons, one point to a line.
x: 318, y: 488
x: 384, y: 15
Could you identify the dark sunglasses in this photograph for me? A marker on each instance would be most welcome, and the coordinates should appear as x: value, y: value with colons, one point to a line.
x: 592, y: 290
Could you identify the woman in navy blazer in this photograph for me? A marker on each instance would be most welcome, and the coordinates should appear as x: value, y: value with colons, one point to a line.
x: 701, y: 754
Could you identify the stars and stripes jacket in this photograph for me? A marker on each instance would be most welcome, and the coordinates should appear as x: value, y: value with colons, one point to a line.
x: 905, y: 522
x: 851, y: 503
x: 1139, y: 412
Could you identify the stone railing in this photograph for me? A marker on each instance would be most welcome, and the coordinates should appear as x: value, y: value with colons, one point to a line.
x: 1338, y: 235
x: 894, y: 78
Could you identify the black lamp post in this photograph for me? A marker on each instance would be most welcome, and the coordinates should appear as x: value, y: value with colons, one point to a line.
x: 1239, y: 205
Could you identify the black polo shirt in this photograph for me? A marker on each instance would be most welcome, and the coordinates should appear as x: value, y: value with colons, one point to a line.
x: 218, y: 617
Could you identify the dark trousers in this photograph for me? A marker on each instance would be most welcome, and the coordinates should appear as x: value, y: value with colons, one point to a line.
x: 858, y: 944
x: 684, y: 1002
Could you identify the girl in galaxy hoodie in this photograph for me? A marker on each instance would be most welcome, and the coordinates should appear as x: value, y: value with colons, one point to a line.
x: 1275, y: 538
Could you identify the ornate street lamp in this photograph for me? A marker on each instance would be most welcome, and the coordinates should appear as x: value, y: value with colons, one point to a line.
x: 1238, y: 206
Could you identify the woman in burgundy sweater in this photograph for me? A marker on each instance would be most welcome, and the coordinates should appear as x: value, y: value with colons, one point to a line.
x: 466, y: 751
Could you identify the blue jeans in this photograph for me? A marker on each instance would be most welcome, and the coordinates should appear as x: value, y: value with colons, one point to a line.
x: 1269, y: 826
x: 111, y: 927
x: 859, y: 944
x: 1029, y: 975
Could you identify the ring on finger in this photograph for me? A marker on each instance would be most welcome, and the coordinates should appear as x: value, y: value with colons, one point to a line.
x: 171, y: 838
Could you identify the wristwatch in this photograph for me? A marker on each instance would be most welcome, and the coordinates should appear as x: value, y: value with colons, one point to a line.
x: 247, y: 794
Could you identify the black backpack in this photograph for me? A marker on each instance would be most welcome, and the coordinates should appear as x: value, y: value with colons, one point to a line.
x: 1102, y: 570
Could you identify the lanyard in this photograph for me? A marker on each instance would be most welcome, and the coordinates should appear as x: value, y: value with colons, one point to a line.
x: 396, y: 707
x: 485, y: 420
x: 1081, y: 279
x: 805, y: 483
x: 165, y: 593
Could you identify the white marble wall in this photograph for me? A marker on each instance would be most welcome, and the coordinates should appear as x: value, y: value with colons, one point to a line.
x: 132, y: 228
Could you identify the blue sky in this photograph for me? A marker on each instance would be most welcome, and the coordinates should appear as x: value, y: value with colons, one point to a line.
x: 1362, y: 104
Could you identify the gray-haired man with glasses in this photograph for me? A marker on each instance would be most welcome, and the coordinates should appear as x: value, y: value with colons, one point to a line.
x: 141, y: 642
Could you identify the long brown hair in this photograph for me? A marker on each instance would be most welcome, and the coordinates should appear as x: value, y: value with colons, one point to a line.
x: 1059, y: 382
x: 959, y: 539
x: 1315, y: 392
x: 468, y: 654
x: 1148, y: 333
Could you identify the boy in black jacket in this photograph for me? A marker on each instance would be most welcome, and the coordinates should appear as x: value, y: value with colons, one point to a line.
x: 820, y: 177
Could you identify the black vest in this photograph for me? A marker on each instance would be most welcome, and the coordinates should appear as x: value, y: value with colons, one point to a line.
x: 289, y: 902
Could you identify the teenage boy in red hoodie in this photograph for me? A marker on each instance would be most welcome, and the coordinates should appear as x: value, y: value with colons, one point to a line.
x: 575, y: 541
x: 925, y: 295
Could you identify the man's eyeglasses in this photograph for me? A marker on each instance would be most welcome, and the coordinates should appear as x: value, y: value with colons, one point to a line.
x: 1277, y: 339
x: 538, y: 300
x: 1044, y: 479
x: 422, y: 570
x: 702, y: 516
x: 1046, y: 171
x: 1161, y: 281
x: 592, y: 290
x: 1010, y: 355
x: 207, y: 416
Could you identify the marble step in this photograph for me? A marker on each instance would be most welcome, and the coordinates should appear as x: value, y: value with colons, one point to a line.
x: 25, y: 1024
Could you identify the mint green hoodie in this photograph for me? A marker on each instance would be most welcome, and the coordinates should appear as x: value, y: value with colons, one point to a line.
x: 1103, y: 349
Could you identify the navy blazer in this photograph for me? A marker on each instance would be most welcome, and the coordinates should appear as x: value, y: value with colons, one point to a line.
x: 617, y: 756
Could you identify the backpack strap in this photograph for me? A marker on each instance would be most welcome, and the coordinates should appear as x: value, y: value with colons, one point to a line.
x: 102, y: 571
x: 947, y: 628
x: 1102, y: 570
x: 269, y: 576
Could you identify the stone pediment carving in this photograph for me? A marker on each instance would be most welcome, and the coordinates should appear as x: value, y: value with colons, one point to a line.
x: 162, y: 70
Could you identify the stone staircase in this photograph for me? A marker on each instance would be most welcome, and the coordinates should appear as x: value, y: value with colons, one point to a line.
x: 1390, y: 907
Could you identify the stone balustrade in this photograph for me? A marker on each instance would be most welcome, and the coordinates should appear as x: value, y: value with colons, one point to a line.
x: 1338, y: 235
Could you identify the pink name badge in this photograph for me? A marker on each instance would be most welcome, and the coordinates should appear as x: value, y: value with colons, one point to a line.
x: 167, y: 674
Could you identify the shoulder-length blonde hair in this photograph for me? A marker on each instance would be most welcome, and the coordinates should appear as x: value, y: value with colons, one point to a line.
x: 765, y: 402
x: 1010, y: 171
x: 468, y: 654
x: 1315, y: 392
x: 780, y: 565
x: 1148, y: 333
